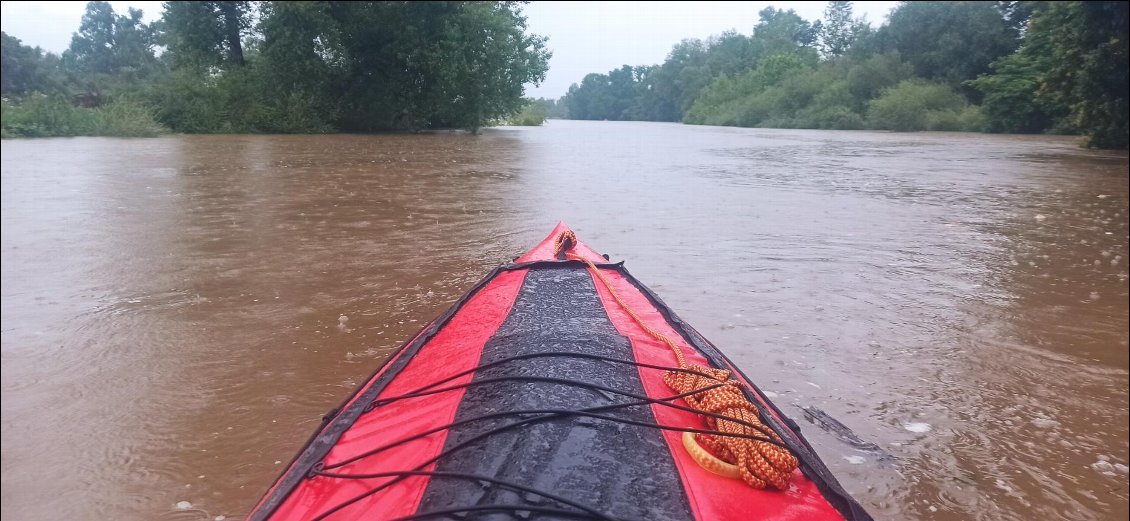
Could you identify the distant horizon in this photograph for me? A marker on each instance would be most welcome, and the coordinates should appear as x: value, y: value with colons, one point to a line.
x: 585, y: 37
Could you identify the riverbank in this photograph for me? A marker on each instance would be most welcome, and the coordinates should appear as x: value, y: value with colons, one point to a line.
x: 42, y: 116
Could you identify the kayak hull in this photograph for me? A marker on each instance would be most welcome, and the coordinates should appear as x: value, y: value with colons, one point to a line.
x: 537, y: 395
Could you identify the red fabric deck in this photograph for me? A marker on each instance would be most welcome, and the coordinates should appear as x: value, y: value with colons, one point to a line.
x: 458, y: 347
x: 712, y: 497
x: 455, y: 348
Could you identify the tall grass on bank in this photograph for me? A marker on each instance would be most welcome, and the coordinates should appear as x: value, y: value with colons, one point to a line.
x: 43, y: 116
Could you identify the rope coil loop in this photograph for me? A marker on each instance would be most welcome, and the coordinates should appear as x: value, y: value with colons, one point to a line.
x: 759, y: 464
x: 563, y: 243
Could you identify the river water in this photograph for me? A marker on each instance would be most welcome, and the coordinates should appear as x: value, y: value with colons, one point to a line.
x: 171, y: 306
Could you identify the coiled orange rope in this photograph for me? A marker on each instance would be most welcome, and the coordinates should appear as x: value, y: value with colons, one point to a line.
x: 759, y: 463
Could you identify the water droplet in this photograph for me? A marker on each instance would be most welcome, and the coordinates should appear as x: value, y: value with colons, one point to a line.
x: 183, y: 505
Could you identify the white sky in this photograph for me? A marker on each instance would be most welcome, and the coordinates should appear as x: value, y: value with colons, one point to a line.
x: 584, y: 36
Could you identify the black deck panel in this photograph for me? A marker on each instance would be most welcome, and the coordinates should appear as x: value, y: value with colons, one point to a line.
x: 624, y: 471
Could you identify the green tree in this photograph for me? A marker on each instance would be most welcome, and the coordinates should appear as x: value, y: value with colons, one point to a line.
x: 207, y: 33
x: 780, y: 32
x: 654, y: 100
x: 552, y: 108
x: 839, y: 30
x: 681, y: 77
x: 868, y: 77
x: 486, y: 58
x: 951, y: 42
x: 28, y: 69
x: 1069, y: 75
x: 659, y: 92
x: 111, y: 44
x: 402, y: 65
x: 1012, y: 99
x: 730, y: 53
x: 589, y: 99
x: 1088, y: 70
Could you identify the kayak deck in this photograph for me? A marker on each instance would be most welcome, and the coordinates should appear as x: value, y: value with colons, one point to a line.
x: 538, y: 396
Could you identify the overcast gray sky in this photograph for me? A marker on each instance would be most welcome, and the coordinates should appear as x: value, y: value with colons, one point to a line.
x: 584, y: 36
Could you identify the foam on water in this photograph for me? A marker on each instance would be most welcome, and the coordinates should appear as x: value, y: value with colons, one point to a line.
x: 917, y: 427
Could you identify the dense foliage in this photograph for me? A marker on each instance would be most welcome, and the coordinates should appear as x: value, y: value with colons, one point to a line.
x: 326, y: 66
x: 1069, y: 75
x: 230, y: 66
x: 973, y: 66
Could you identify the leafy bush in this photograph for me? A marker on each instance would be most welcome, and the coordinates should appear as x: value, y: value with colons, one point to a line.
x: 831, y: 118
x: 532, y: 115
x: 868, y: 78
x: 235, y: 101
x: 1012, y: 100
x: 43, y: 116
x: 918, y: 105
x: 125, y: 119
x: 969, y: 119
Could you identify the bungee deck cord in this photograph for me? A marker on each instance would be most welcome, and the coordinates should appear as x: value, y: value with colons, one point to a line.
x: 735, y: 443
x: 759, y: 463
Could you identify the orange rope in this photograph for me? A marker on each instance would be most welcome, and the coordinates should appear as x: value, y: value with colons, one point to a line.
x: 758, y: 463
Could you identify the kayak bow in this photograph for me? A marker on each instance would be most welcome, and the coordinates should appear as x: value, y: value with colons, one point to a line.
x: 558, y: 387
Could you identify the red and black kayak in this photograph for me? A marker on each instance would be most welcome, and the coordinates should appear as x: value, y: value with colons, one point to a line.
x: 558, y: 387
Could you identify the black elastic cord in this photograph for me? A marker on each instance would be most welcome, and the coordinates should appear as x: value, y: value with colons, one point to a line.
x: 497, y: 508
x: 591, y: 386
x: 506, y: 414
x: 547, y: 414
x: 544, y: 415
x: 470, y: 477
x: 562, y: 354
x: 476, y: 438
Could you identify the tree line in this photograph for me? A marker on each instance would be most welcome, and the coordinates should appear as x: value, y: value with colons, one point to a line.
x: 1021, y: 67
x: 290, y: 67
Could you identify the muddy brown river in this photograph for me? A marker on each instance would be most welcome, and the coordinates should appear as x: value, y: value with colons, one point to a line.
x: 171, y: 306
